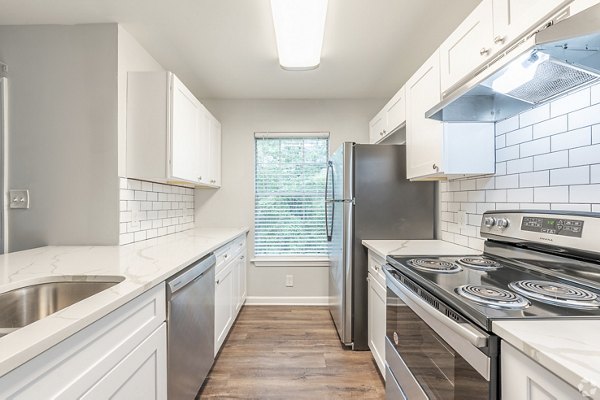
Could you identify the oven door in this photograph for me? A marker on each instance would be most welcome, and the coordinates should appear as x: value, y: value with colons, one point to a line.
x: 431, y: 355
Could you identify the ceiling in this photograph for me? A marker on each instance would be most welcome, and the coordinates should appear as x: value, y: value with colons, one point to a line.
x: 226, y: 48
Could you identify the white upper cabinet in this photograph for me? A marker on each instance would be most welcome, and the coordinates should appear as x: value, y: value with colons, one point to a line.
x: 489, y: 29
x: 389, y: 119
x: 423, y: 135
x: 171, y: 136
x: 513, y: 18
x: 469, y: 46
x: 436, y: 150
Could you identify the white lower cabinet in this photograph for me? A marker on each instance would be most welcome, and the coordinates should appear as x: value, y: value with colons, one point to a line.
x: 230, y: 287
x: 376, y: 311
x: 524, y: 379
x: 120, y: 356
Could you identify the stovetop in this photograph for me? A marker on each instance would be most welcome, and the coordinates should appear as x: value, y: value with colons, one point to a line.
x: 515, y: 279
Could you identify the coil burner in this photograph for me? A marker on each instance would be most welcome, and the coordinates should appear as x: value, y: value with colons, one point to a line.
x: 493, y: 297
x: 433, y: 265
x: 480, y: 263
x: 555, y: 293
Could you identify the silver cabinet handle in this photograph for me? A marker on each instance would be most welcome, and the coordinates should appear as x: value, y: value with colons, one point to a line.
x: 199, y: 178
x: 226, y: 255
x: 242, y: 257
x: 484, y: 51
x: 218, y: 281
x: 499, y: 39
x: 436, y: 167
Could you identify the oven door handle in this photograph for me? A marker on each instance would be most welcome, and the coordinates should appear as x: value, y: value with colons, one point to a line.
x: 466, y: 331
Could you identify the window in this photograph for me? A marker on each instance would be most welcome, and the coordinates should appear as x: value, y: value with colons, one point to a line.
x: 289, y: 192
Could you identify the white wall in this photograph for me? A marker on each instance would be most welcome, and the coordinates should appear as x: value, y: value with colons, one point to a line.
x: 233, y: 204
x: 131, y: 57
x: 547, y: 158
x: 62, y: 133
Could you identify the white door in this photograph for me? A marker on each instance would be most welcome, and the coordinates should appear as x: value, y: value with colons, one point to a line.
x: 142, y: 374
x: 469, y: 46
x: 423, y: 135
x: 203, y: 156
x: 377, y: 127
x: 185, y: 111
x: 396, y: 110
x: 513, y: 18
x: 3, y: 160
x: 223, y: 304
x: 377, y: 300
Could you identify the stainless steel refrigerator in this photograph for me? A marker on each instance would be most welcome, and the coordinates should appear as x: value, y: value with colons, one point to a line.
x: 367, y: 196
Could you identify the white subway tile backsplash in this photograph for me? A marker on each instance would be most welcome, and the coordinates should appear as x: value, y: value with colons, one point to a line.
x: 507, y: 125
x: 507, y: 153
x: 519, y: 195
x: 505, y: 182
x: 585, y: 194
x: 585, y: 117
x: 572, y: 102
x: 495, y: 196
x: 519, y: 136
x: 535, y: 115
x: 595, y: 174
x: 570, y: 176
x: 519, y: 165
x: 533, y: 179
x: 558, y: 159
x: 552, y: 194
x: 550, y: 127
x: 571, y: 139
x: 595, y: 134
x: 153, y: 209
x: 546, y: 158
x: 585, y: 155
x: 535, y: 147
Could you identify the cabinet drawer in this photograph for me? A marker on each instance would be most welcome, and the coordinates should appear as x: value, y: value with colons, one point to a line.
x: 376, y: 264
x: 238, y: 245
x: 73, y: 366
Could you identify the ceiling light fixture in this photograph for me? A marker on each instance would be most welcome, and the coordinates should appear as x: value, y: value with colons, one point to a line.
x: 299, y: 30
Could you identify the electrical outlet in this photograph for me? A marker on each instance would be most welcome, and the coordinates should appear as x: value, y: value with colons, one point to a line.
x: 461, y: 218
x: 289, y: 280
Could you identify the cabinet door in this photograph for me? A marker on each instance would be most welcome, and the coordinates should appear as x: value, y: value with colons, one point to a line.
x: 524, y: 379
x: 513, y: 18
x: 243, y: 277
x: 223, y: 305
x: 396, y: 110
x: 468, y: 47
x: 377, y: 127
x: 215, y: 152
x: 423, y: 135
x: 240, y: 295
x: 204, y: 122
x: 185, y: 110
x: 376, y: 325
x: 142, y: 374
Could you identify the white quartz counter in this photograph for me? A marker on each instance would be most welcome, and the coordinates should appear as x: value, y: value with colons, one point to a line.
x: 143, y: 265
x: 384, y: 248
x: 569, y: 349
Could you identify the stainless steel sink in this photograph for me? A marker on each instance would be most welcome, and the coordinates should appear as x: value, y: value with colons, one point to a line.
x: 28, y: 304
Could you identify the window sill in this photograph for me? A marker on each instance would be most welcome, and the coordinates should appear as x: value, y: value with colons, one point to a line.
x: 290, y: 261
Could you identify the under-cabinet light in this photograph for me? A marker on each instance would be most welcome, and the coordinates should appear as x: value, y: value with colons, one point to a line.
x: 519, y: 72
x: 299, y: 30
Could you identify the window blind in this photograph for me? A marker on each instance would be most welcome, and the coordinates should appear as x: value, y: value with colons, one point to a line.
x: 289, y: 193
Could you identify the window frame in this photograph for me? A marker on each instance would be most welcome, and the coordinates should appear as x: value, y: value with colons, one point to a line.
x: 284, y: 260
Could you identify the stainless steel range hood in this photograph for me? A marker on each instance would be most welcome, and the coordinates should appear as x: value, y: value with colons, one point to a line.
x: 541, y: 66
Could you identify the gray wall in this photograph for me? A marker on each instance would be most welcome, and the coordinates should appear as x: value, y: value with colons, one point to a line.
x: 63, y: 133
x: 233, y: 204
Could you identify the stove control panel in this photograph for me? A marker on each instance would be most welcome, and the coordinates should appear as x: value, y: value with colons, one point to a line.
x: 553, y: 226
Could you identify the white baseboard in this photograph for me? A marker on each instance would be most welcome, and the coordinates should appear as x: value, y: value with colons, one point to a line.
x: 287, y: 301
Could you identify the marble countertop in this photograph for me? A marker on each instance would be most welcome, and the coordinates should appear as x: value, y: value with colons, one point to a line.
x: 384, y: 248
x: 143, y: 265
x: 569, y: 349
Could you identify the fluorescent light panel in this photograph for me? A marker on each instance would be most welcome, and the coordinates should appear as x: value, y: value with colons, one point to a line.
x: 519, y: 72
x: 299, y: 30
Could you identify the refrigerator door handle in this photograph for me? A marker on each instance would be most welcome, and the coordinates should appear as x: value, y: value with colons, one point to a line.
x: 329, y: 201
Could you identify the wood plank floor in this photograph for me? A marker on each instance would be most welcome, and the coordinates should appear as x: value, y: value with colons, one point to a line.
x: 281, y: 352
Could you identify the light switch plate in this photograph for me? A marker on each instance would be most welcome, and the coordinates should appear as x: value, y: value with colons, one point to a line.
x: 461, y: 218
x: 19, y: 198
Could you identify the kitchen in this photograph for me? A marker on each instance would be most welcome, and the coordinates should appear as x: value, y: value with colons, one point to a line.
x: 113, y: 188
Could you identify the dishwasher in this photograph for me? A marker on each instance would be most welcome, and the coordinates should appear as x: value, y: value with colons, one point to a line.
x: 190, y: 328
